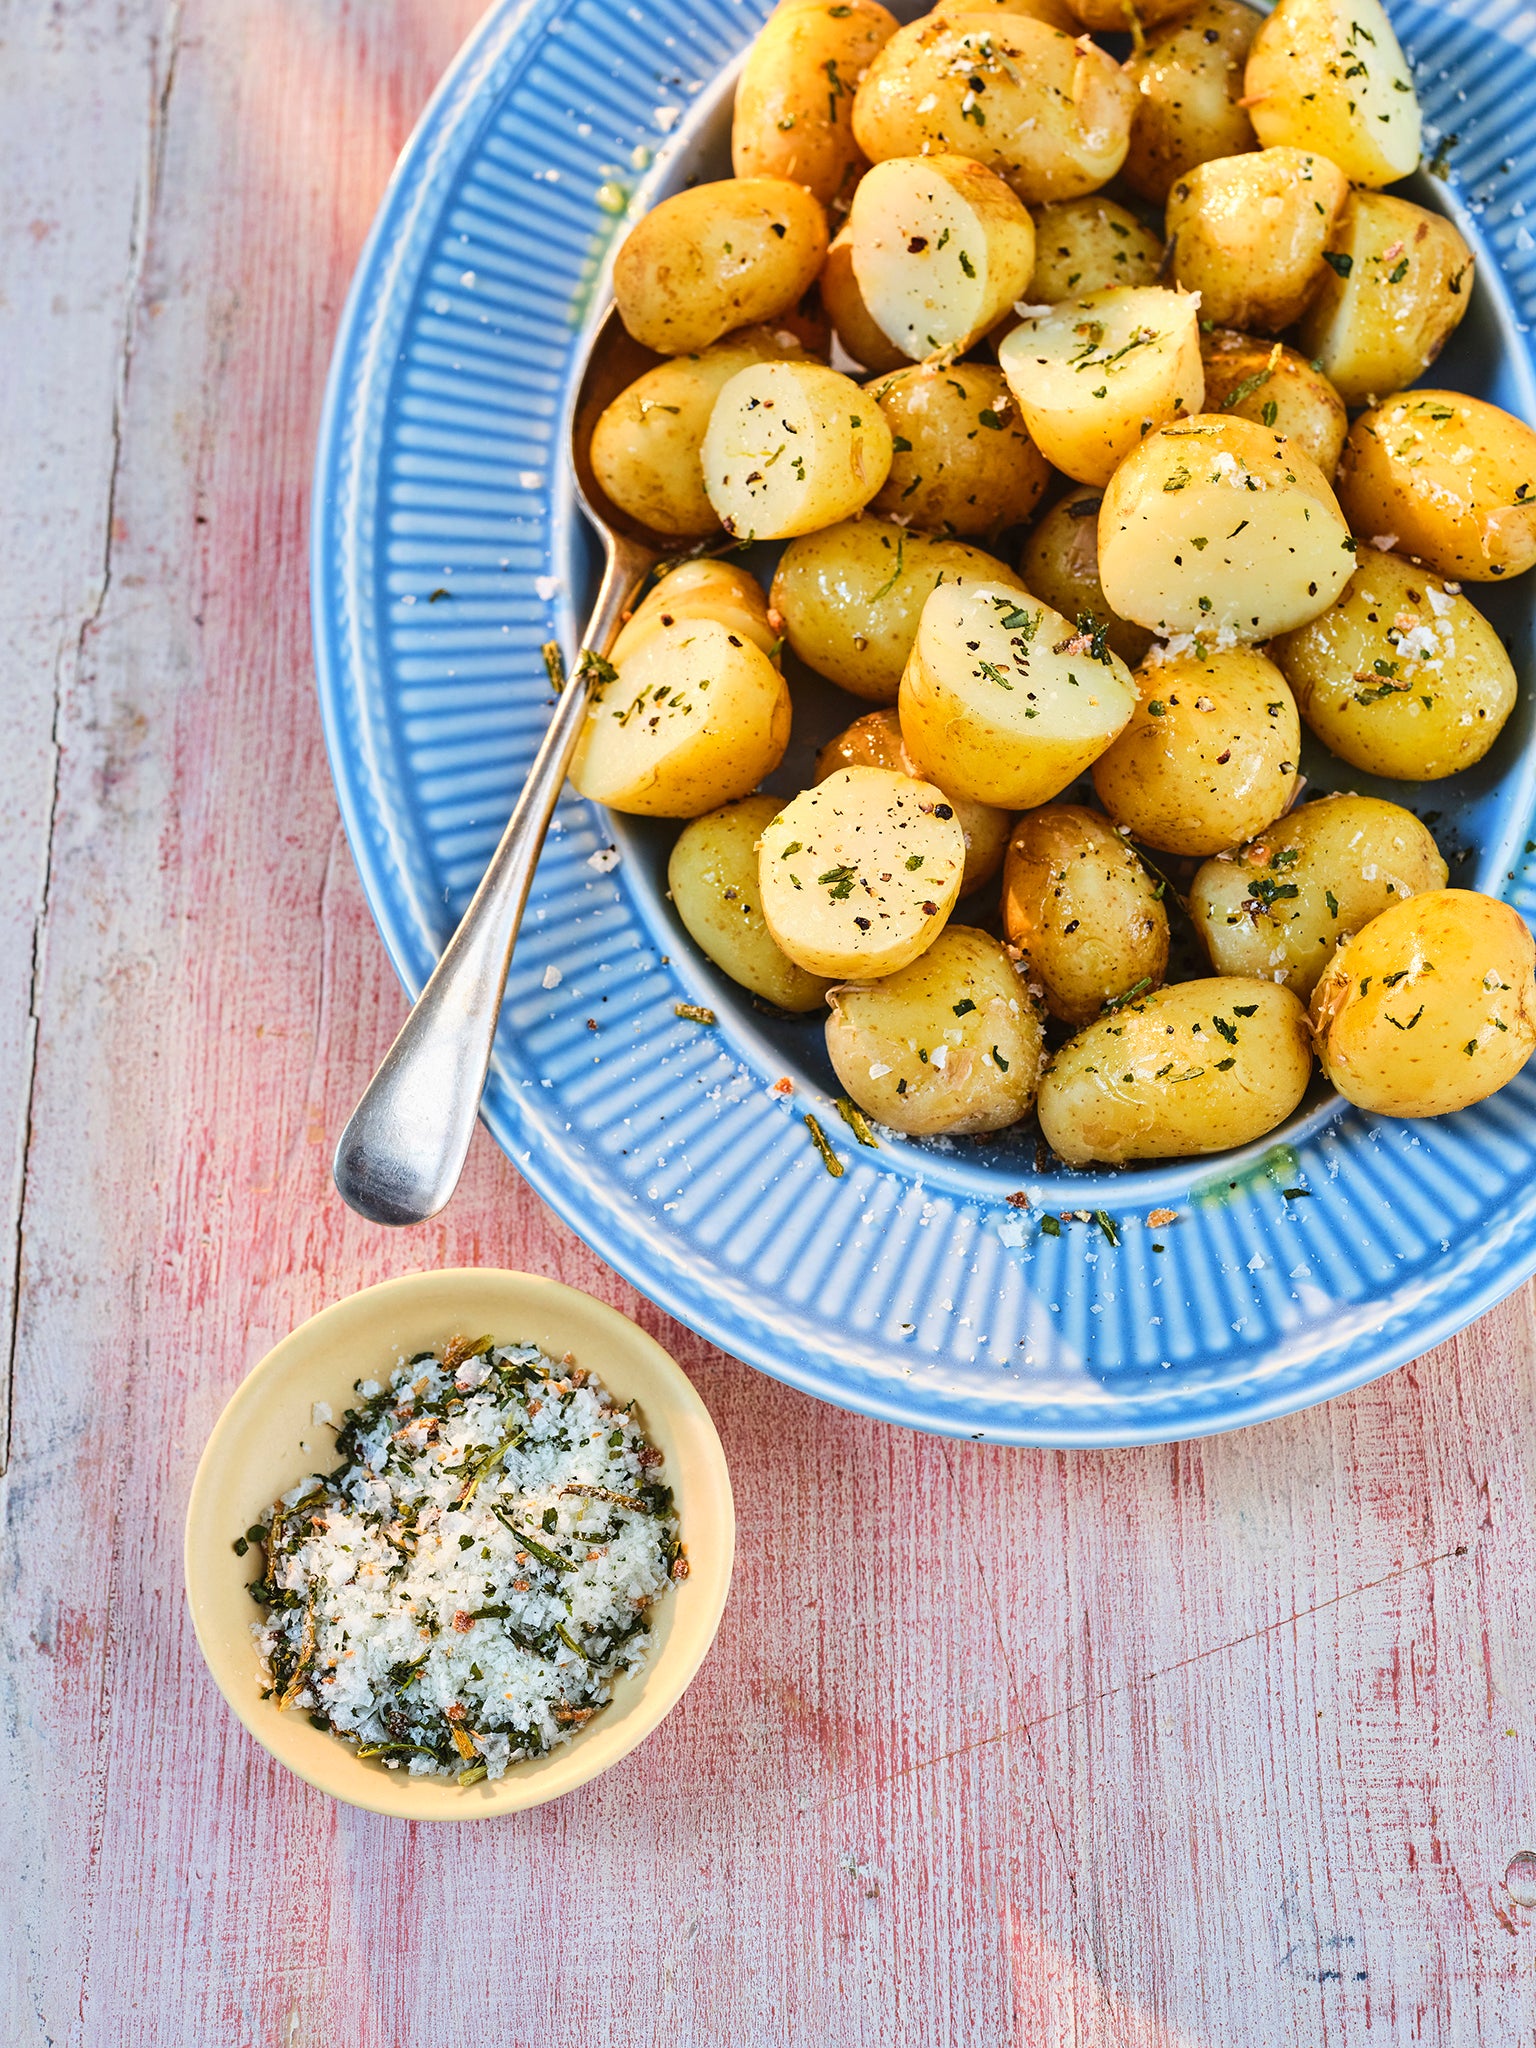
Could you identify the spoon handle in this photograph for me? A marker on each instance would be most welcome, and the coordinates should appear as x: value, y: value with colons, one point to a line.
x: 401, y: 1155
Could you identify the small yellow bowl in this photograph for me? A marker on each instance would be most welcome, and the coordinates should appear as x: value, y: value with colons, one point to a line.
x: 265, y: 1441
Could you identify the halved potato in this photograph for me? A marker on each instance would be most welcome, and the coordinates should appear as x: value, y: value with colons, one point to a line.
x: 794, y: 99
x: 1447, y: 478
x: 1249, y: 234
x: 1060, y: 563
x: 1270, y: 384
x: 1189, y: 90
x: 963, y: 462
x: 1083, y: 911
x: 715, y: 258
x: 1330, y: 75
x: 1398, y: 283
x: 941, y: 249
x: 712, y: 880
x: 791, y: 447
x: 1004, y: 701
x: 858, y: 875
x: 1054, y: 13
x: 851, y: 318
x: 1089, y: 245
x: 875, y: 741
x: 1115, y: 16
x: 707, y: 589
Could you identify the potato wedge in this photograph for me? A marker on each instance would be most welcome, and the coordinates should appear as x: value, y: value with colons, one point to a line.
x: 1083, y: 911
x: 1270, y: 384
x: 1431, y: 1007
x: 941, y: 249
x: 1189, y: 87
x: 1216, y: 526
x: 851, y: 319
x: 1004, y: 701
x: 1249, y: 234
x: 1200, y: 1067
x: 951, y: 1042
x: 1280, y: 906
x: 1210, y: 756
x: 1447, y: 478
x: 794, y: 99
x: 963, y: 461
x: 1089, y: 245
x: 791, y: 447
x: 712, y: 880
x: 1398, y: 283
x: 1094, y: 375
x: 858, y: 875
x: 875, y: 741
x: 1060, y: 563
x: 1401, y: 676
x: 718, y: 257
x: 1330, y: 75
x: 849, y: 598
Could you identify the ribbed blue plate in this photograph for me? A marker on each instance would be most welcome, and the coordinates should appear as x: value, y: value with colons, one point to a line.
x: 446, y: 550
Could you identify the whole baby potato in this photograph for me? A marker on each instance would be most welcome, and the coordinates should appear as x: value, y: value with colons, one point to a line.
x: 1398, y: 282
x: 1209, y: 757
x: 848, y: 598
x: 794, y: 99
x: 1429, y: 1008
x: 1447, y: 478
x: 712, y: 880
x: 1049, y: 112
x: 852, y: 321
x: 1189, y: 87
x: 720, y: 256
x: 1054, y: 13
x: 791, y: 447
x: 1214, y: 525
x: 941, y: 248
x: 1330, y: 75
x: 1114, y: 16
x: 963, y: 462
x: 1060, y: 563
x: 1082, y: 910
x: 1089, y: 245
x: 1203, y: 1066
x: 1270, y: 384
x: 646, y: 446
x: 707, y: 589
x: 952, y: 1042
x: 1249, y: 234
x: 1280, y: 906
x: 874, y: 741
x: 1400, y: 676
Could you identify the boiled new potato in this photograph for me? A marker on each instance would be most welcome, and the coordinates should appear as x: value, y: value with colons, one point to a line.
x: 851, y: 319
x: 1429, y: 1008
x: 1447, y: 478
x: 1270, y: 384
x: 1049, y: 111
x: 1082, y: 910
x: 1088, y: 245
x: 1060, y: 563
x: 794, y: 99
x: 1003, y: 700
x: 941, y: 249
x: 722, y: 591
x: 1095, y: 374
x: 1218, y: 526
x: 1111, y: 16
x: 1249, y: 234
x: 791, y: 447
x: 718, y: 257
x: 1279, y: 907
x: 1398, y: 282
x: 951, y: 1042
x: 646, y: 446
x: 1189, y: 86
x: 874, y: 741
x: 1210, y: 756
x: 858, y: 875
x: 963, y: 462
x: 695, y: 716
x: 1199, y: 1067
x: 848, y: 598
x: 1055, y: 13
x: 1330, y: 75
x: 1401, y: 676
x: 712, y: 879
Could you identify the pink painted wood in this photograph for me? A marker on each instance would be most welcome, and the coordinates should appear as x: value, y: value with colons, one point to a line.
x: 1223, y: 1744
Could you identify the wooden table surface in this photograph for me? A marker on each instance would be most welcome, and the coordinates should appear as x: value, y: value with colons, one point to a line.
x: 1227, y: 1743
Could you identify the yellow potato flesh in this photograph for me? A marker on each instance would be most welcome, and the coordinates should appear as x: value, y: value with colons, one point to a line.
x: 791, y: 447
x: 722, y: 591
x: 1330, y: 75
x: 875, y: 741
x: 712, y: 880
x: 1082, y: 910
x: 941, y: 249
x: 851, y: 318
x: 1399, y: 282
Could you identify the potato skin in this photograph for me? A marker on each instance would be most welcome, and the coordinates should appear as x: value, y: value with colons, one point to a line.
x: 1209, y: 757
x: 1430, y: 1007
x: 969, y: 466
x: 1054, y: 13
x: 1399, y: 676
x: 914, y: 1056
x: 1270, y: 384
x: 1089, y: 245
x: 679, y: 287
x: 874, y: 741
x: 705, y: 589
x: 855, y: 326
x: 1407, y: 285
x: 794, y: 99
x: 1249, y: 232
x: 1279, y: 906
x: 712, y: 880
x: 1082, y: 910
x: 849, y: 598
x: 1449, y: 479
x: 1189, y: 82
x: 1199, y: 1067
x: 1060, y: 564
x: 1330, y: 75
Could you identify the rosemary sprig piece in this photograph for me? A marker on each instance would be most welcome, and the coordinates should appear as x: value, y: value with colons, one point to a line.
x: 829, y: 1158
x: 856, y: 1121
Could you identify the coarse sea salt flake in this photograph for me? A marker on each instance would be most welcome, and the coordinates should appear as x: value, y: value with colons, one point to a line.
x: 605, y: 860
x: 552, y: 977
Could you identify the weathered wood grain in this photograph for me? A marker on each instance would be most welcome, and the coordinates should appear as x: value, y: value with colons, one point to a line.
x: 1206, y: 1747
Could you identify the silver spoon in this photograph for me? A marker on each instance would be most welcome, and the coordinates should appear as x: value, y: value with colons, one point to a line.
x: 401, y: 1155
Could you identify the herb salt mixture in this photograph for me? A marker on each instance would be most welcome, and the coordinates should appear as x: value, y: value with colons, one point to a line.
x: 466, y: 1585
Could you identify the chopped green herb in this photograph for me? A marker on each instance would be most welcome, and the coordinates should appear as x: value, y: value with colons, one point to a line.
x: 856, y: 1120
x: 829, y: 1158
